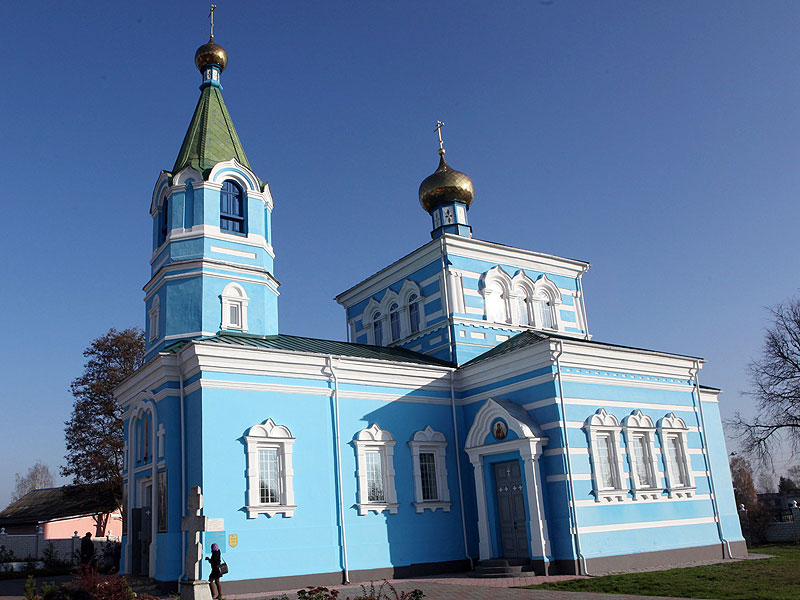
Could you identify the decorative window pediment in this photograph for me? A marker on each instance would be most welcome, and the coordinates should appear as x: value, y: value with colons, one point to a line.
x: 604, y: 430
x: 640, y: 442
x: 519, y: 300
x: 672, y: 431
x: 430, y: 470
x: 496, y: 292
x: 234, y: 307
x: 375, y: 466
x: 396, y: 316
x: 270, y: 476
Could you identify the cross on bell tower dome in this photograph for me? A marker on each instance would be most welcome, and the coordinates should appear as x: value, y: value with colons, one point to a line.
x: 446, y: 195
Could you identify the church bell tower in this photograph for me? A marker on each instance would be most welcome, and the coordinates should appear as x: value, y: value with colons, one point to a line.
x: 212, y: 261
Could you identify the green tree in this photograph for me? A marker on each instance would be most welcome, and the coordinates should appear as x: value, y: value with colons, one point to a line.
x: 37, y: 477
x: 94, y: 432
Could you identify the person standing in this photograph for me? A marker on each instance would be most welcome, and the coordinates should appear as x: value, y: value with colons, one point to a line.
x: 213, y: 578
x: 87, y: 549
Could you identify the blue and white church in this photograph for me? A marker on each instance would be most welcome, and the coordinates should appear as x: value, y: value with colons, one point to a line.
x: 470, y: 416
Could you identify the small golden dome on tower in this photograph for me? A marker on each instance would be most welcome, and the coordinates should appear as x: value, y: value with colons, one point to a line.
x: 211, y: 54
x: 445, y: 184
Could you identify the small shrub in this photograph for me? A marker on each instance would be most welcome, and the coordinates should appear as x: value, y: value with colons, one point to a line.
x: 30, y: 589
x: 103, y: 587
x: 382, y: 593
x: 51, y: 559
x: 317, y: 593
x: 6, y: 555
x: 281, y: 597
x: 30, y: 564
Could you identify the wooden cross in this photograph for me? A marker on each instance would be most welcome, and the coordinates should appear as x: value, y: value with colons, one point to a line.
x: 211, y: 16
x: 438, y: 130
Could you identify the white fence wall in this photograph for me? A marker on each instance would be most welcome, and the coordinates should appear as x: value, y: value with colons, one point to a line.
x: 34, y: 546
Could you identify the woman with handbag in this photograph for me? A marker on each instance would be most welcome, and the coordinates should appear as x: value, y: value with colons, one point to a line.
x: 218, y: 568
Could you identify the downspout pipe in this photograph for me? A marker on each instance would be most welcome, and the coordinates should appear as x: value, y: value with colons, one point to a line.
x: 572, y: 508
x: 337, y: 455
x: 458, y: 470
x: 583, y: 303
x: 451, y: 340
x: 703, y: 439
x: 182, y: 458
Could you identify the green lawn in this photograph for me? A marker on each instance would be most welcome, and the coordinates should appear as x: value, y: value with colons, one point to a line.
x: 775, y: 578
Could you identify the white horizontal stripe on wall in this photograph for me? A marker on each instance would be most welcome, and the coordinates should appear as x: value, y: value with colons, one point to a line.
x: 232, y: 252
x: 646, y: 525
x: 617, y: 403
x: 575, y: 476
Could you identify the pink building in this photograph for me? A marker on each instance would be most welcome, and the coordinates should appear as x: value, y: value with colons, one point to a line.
x: 63, y: 511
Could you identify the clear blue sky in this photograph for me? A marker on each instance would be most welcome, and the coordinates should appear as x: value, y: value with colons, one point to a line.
x: 660, y: 141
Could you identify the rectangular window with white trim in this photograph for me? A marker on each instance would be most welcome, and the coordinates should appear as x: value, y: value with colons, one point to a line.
x: 269, y: 471
x: 673, y: 432
x: 375, y: 470
x: 428, y: 452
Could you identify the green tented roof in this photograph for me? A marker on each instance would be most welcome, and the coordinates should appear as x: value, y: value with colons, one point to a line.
x: 293, y: 343
x: 211, y: 137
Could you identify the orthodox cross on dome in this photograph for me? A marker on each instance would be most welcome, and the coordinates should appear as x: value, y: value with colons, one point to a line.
x: 211, y: 17
x: 438, y: 130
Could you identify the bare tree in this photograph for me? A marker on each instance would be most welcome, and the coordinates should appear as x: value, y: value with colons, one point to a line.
x: 775, y: 380
x: 743, y: 488
x: 38, y: 477
x: 765, y: 483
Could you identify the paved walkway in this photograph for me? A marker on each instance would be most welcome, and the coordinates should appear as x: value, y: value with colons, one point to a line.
x: 468, y: 589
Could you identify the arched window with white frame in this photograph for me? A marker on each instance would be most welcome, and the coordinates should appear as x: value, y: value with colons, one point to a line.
x: 496, y: 295
x: 394, y: 321
x: 672, y: 431
x: 153, y: 318
x: 375, y: 469
x: 232, y: 208
x: 413, y: 313
x: 234, y: 307
x: 430, y: 470
x: 270, y: 476
x: 543, y: 312
x: 377, y: 329
x: 603, y: 431
x: 521, y: 307
x: 639, y: 434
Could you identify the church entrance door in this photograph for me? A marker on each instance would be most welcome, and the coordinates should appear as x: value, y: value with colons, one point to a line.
x: 511, y: 510
x: 142, y: 522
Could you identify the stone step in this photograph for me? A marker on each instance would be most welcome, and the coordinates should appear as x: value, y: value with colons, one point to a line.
x: 488, y: 570
x: 494, y: 575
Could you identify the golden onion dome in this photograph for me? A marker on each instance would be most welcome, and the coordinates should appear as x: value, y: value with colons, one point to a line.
x: 445, y: 184
x: 211, y: 54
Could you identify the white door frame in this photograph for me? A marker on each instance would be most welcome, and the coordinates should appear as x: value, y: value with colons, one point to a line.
x: 529, y: 445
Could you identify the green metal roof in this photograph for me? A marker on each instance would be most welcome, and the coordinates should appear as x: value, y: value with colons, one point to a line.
x: 526, y: 338
x: 211, y: 137
x: 293, y: 343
